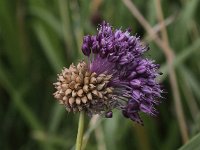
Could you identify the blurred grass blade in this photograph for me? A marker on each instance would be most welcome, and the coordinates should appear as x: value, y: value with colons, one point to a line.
x: 189, y: 10
x: 68, y: 28
x: 27, y: 114
x: 171, y: 137
x: 16, y: 97
x: 9, y: 38
x: 48, y: 47
x: 48, y: 18
x: 192, y: 80
x: 180, y: 30
x: 56, y: 63
x: 51, y: 139
x: 192, y: 144
x: 187, y: 92
x: 4, y: 79
x: 180, y: 58
x: 95, y: 121
x: 57, y: 114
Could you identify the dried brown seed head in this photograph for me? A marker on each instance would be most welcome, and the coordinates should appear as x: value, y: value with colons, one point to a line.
x: 81, y: 90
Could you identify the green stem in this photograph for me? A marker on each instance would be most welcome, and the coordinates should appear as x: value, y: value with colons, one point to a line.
x: 79, y: 137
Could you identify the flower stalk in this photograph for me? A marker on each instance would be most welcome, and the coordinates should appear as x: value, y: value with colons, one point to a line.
x: 79, y: 137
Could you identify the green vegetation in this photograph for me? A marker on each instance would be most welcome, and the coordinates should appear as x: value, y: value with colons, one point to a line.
x: 39, y: 37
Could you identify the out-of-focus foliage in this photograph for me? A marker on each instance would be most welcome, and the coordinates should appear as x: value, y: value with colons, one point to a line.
x: 192, y: 144
x: 39, y: 37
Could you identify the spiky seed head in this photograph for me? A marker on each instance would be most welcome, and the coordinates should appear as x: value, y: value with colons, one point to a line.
x: 79, y: 89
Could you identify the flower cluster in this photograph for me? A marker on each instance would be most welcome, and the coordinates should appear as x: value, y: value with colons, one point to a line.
x: 130, y: 78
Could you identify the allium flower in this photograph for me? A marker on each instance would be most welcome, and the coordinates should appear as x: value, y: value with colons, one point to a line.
x: 116, y: 75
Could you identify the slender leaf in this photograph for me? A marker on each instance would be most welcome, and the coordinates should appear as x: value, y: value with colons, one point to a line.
x: 193, y: 144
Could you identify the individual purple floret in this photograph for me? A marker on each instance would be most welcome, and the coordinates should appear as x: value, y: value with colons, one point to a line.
x: 117, y: 53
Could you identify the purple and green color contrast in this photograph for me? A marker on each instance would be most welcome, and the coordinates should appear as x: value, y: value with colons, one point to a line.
x: 115, y: 75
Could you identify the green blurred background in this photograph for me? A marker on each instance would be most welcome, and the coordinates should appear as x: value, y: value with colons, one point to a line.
x: 39, y: 37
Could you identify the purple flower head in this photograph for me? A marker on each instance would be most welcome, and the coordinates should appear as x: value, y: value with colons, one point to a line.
x: 117, y: 53
x: 116, y: 76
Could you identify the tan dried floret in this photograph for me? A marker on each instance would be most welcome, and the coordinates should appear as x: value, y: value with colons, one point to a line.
x: 79, y: 89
